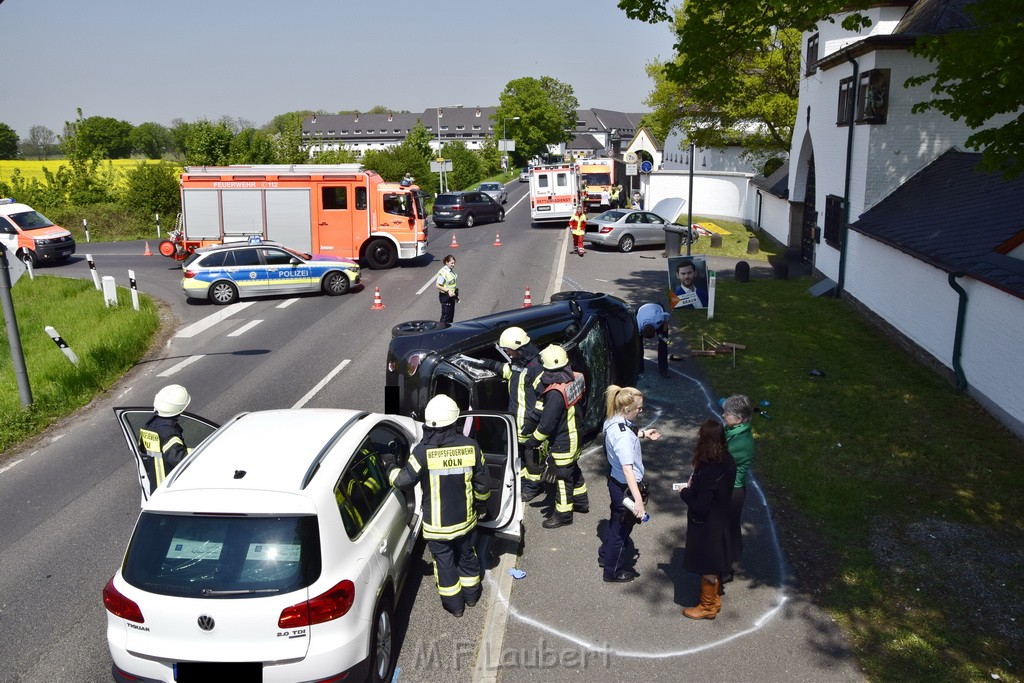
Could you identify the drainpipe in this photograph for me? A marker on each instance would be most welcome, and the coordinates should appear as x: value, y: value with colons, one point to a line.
x: 958, y: 334
x: 846, y: 185
x: 760, y: 204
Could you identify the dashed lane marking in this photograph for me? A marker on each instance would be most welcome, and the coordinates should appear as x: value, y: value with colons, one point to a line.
x: 181, y: 366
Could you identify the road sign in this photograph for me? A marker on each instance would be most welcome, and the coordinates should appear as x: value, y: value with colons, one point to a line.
x: 630, y: 169
x: 629, y: 158
x: 15, y: 266
x: 646, y: 167
x: 436, y: 166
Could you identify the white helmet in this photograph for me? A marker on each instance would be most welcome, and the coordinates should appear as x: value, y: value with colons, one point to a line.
x: 513, y: 338
x: 441, y: 411
x: 171, y: 400
x: 554, y: 357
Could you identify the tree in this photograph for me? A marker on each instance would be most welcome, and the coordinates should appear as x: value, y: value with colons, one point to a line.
x: 101, y: 136
x: 8, y: 142
x: 757, y: 109
x: 546, y: 109
x: 41, y: 142
x: 207, y: 144
x: 178, y: 133
x: 152, y: 189
x: 466, y: 166
x: 151, y: 139
x: 251, y: 146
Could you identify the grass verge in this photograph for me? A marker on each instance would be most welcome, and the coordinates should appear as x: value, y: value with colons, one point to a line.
x: 734, y: 245
x: 107, y: 341
x: 898, y: 498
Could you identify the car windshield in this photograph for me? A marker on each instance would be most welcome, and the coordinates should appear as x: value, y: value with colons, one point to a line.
x: 490, y: 186
x: 610, y: 216
x: 30, y: 220
x: 199, y: 556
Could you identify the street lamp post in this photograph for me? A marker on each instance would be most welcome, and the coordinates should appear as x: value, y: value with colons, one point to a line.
x: 504, y: 141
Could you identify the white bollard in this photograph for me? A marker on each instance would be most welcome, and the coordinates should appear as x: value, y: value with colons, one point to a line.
x: 711, y: 295
x: 85, y: 226
x: 92, y: 269
x: 31, y: 269
x: 62, y: 345
x: 109, y: 291
x: 134, y: 289
x: 158, y: 226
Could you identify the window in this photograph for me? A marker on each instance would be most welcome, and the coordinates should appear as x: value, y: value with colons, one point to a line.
x: 873, y: 96
x: 844, y: 113
x: 812, y: 54
x: 276, y: 257
x: 542, y: 181
x: 360, y: 199
x: 243, y: 257
x: 396, y: 204
x: 833, y: 219
x: 214, y: 260
x: 364, y: 487
x: 562, y: 180
x: 335, y: 197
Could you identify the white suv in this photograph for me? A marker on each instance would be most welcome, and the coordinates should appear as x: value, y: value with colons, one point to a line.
x: 276, y: 550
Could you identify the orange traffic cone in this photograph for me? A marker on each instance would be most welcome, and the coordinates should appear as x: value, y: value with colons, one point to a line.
x: 378, y: 305
x: 454, y: 244
x: 497, y: 240
x: 147, y: 252
x: 527, y: 302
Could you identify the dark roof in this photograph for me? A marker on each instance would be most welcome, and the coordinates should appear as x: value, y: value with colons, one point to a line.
x: 955, y: 216
x: 460, y: 122
x: 776, y: 184
x: 585, y: 141
x: 934, y: 17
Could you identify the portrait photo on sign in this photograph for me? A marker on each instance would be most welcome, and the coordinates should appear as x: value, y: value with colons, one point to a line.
x: 688, y: 282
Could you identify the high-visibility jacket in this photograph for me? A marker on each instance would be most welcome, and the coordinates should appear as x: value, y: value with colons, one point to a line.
x: 523, y: 382
x: 558, y: 425
x: 578, y: 223
x: 614, y: 194
x: 448, y: 280
x: 451, y: 467
x: 162, y: 446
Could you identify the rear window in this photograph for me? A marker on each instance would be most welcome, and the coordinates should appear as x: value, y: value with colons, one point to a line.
x: 447, y: 199
x: 197, y: 556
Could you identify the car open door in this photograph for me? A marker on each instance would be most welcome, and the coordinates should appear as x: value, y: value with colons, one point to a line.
x: 496, y: 434
x: 195, y: 430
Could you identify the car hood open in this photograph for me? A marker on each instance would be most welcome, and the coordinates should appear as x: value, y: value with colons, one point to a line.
x: 669, y: 208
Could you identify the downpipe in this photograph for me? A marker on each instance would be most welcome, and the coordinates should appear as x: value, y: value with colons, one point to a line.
x: 841, y: 279
x: 958, y: 334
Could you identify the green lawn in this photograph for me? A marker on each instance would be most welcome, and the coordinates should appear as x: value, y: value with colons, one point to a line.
x: 905, y: 493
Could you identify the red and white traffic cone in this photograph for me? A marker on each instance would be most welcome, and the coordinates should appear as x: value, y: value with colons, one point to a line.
x: 497, y: 240
x: 147, y: 252
x: 527, y: 302
x: 455, y: 243
x: 378, y: 305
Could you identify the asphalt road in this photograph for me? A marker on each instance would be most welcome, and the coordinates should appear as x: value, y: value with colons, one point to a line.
x: 69, y: 499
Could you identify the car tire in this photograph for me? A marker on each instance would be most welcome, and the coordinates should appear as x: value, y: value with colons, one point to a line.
x: 470, y: 221
x: 626, y: 244
x: 414, y: 327
x: 382, y: 647
x: 223, y: 292
x: 335, y: 283
x: 381, y: 255
x: 501, y: 215
x: 28, y: 257
x: 575, y: 295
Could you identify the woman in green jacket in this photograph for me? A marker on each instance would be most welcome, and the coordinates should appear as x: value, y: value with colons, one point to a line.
x: 736, y: 412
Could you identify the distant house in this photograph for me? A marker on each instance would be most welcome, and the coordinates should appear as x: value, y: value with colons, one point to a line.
x: 362, y: 132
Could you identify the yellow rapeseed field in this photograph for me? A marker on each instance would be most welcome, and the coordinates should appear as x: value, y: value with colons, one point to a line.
x: 31, y: 168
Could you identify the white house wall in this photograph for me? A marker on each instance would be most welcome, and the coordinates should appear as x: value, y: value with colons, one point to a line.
x: 726, y: 195
x: 774, y: 216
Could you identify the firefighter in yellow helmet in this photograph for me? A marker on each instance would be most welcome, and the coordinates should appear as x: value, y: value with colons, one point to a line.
x: 161, y: 439
x: 561, y: 412
x: 455, y: 492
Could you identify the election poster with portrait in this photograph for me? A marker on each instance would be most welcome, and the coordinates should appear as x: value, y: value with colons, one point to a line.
x: 688, y: 282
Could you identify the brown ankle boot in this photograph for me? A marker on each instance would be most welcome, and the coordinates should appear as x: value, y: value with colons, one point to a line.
x: 709, y: 604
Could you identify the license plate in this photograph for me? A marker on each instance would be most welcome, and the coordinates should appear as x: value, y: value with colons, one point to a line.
x: 444, y: 213
x: 66, y: 252
x: 242, y: 672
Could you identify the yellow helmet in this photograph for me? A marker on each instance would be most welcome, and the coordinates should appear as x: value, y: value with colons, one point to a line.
x: 513, y: 338
x: 554, y: 357
x: 441, y: 411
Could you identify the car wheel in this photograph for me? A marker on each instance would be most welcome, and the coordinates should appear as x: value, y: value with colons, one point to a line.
x: 414, y: 327
x: 470, y: 221
x: 28, y: 257
x: 222, y: 293
x: 501, y: 215
x: 381, y: 255
x: 382, y: 647
x: 626, y: 244
x: 335, y: 284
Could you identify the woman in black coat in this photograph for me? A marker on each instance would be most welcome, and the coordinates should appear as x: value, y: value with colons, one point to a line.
x: 707, y: 495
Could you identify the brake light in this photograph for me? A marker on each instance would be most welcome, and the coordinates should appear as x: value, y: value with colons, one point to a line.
x: 331, y: 605
x: 190, y: 273
x: 605, y: 230
x: 120, y: 606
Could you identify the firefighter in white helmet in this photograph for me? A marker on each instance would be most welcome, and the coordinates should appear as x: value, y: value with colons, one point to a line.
x: 160, y: 439
x: 455, y: 492
x: 558, y: 403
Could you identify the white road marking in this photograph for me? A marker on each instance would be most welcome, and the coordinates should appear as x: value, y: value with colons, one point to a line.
x: 245, y: 328
x: 211, y: 320
x: 286, y: 303
x: 10, y: 465
x: 430, y: 282
x: 321, y: 384
x: 181, y: 366
x: 57, y: 438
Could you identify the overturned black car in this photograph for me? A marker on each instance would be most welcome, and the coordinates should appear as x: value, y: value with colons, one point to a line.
x: 598, y: 331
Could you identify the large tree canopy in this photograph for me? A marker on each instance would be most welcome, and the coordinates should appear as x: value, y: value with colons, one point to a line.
x: 546, y: 108
x: 8, y: 142
x: 100, y: 136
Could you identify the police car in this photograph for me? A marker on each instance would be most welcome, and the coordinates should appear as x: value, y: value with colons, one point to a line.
x: 276, y: 551
x: 226, y: 272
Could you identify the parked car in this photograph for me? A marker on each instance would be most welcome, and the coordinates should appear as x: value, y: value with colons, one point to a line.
x: 31, y: 236
x: 226, y: 272
x: 628, y: 228
x: 425, y: 358
x: 524, y: 175
x: 277, y: 549
x: 496, y: 191
x: 466, y: 209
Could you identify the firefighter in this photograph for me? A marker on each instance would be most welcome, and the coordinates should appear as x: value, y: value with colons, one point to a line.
x: 455, y: 493
x: 558, y: 428
x: 523, y: 377
x: 161, y: 439
x: 578, y: 228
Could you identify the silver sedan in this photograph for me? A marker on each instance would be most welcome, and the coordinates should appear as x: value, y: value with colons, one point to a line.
x: 496, y: 191
x: 628, y: 228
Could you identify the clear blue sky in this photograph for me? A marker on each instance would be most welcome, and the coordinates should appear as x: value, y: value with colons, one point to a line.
x: 150, y: 60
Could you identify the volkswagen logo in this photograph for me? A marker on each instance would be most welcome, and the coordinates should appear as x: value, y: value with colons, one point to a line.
x: 205, y: 622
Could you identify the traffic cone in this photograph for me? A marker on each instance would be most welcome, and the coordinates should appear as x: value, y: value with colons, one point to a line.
x: 378, y: 305
x: 454, y: 244
x: 497, y: 240
x: 147, y: 252
x: 527, y: 302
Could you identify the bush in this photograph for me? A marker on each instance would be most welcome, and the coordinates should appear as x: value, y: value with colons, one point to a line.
x: 110, y: 222
x: 152, y: 188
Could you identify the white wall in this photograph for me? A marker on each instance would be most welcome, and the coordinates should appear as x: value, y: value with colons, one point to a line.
x: 774, y: 216
x: 728, y: 195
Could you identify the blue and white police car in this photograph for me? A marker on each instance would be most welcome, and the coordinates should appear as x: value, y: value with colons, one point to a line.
x: 226, y: 272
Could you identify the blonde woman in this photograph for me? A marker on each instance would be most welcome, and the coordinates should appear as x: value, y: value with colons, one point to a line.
x: 623, y: 406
